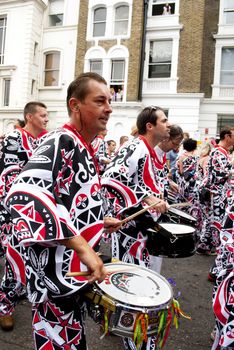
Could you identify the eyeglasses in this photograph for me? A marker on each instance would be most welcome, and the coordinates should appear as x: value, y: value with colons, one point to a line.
x: 176, y: 144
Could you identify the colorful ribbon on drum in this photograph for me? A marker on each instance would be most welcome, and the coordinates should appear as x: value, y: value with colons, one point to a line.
x: 165, y: 319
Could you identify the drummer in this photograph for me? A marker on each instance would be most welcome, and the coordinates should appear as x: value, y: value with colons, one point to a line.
x: 56, y: 207
x: 131, y: 180
x: 172, y: 143
x: 165, y: 184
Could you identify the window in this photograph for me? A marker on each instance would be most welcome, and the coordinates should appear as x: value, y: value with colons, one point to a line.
x: 6, y: 89
x: 33, y: 86
x: 160, y: 59
x: 158, y: 7
x: 121, y: 20
x: 227, y: 66
x: 99, y: 21
x: 96, y: 66
x: 224, y: 120
x: 3, y: 23
x: 229, y: 12
x: 56, y: 13
x: 52, y: 62
x: 117, y: 79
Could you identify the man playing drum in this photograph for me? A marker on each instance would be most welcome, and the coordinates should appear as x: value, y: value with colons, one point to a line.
x: 131, y: 181
x: 56, y: 206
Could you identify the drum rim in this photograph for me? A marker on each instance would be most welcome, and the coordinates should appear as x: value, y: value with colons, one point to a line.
x: 164, y: 305
x: 187, y: 216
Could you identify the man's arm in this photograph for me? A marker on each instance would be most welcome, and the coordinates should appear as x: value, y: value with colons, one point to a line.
x: 88, y: 257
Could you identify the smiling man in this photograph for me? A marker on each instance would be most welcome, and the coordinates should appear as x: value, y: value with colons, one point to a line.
x: 56, y: 207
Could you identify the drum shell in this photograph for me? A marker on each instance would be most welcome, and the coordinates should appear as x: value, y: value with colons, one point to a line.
x: 164, y: 243
x: 124, y: 308
x: 121, y: 321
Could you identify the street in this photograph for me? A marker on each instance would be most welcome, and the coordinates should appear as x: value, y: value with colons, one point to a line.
x: 190, y: 275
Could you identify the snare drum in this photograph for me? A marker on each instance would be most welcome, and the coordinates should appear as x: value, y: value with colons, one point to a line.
x: 177, y: 216
x: 171, y: 240
x: 129, y: 293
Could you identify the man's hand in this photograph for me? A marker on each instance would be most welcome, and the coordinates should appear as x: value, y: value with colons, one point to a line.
x: 111, y: 224
x: 161, y: 206
x: 88, y: 257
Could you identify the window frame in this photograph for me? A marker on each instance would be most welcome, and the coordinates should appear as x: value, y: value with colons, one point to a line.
x: 226, y: 70
x: 56, y: 69
x: 118, y: 84
x: 160, y: 4
x: 3, y: 28
x: 151, y: 64
x: 227, y: 10
x: 91, y: 61
x: 121, y: 20
x: 6, y: 92
x: 98, y: 22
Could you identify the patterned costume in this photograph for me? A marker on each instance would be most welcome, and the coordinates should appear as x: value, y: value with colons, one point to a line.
x: 131, y: 177
x: 188, y: 186
x: 16, y: 150
x: 223, y: 303
x: 100, y: 151
x: 162, y: 172
x: 218, y: 182
x: 56, y: 196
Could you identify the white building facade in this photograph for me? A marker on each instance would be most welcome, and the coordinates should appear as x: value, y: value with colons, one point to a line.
x: 37, y: 56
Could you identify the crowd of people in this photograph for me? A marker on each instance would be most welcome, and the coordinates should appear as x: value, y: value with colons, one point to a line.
x: 63, y: 191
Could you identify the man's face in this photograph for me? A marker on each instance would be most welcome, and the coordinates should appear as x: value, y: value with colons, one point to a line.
x: 162, y: 127
x: 96, y: 108
x: 112, y: 147
x: 171, y: 144
x: 231, y: 138
x: 39, y: 119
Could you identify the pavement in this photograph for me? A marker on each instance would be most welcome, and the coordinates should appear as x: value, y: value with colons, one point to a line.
x: 195, y: 293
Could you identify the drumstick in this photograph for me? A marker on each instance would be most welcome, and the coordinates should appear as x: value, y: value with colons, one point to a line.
x: 88, y: 273
x: 138, y: 213
x: 186, y: 204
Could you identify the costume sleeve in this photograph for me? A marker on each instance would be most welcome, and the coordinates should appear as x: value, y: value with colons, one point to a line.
x: 218, y: 171
x: 9, y: 164
x: 35, y: 200
x: 130, y: 178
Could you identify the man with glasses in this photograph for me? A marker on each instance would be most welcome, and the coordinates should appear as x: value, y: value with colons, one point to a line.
x: 131, y: 182
x: 171, y: 143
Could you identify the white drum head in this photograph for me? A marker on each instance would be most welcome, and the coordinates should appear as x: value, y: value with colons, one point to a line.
x: 177, y: 229
x: 182, y: 214
x: 136, y: 286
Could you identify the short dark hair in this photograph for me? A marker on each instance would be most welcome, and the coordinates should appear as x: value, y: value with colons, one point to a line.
x: 226, y: 130
x: 79, y: 88
x: 147, y: 115
x: 190, y: 144
x: 176, y: 132
x: 21, y: 123
x: 109, y: 142
x: 31, y: 107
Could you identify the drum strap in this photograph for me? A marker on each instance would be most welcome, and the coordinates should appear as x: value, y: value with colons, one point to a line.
x: 98, y: 299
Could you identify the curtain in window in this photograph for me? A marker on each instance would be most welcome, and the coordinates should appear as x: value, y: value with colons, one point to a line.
x: 160, y: 51
x: 52, y: 61
x: 227, y: 66
x: 99, y: 21
x: 121, y: 20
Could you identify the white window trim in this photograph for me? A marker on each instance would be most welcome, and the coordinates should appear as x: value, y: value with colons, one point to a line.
x: 59, y: 86
x: 110, y: 17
